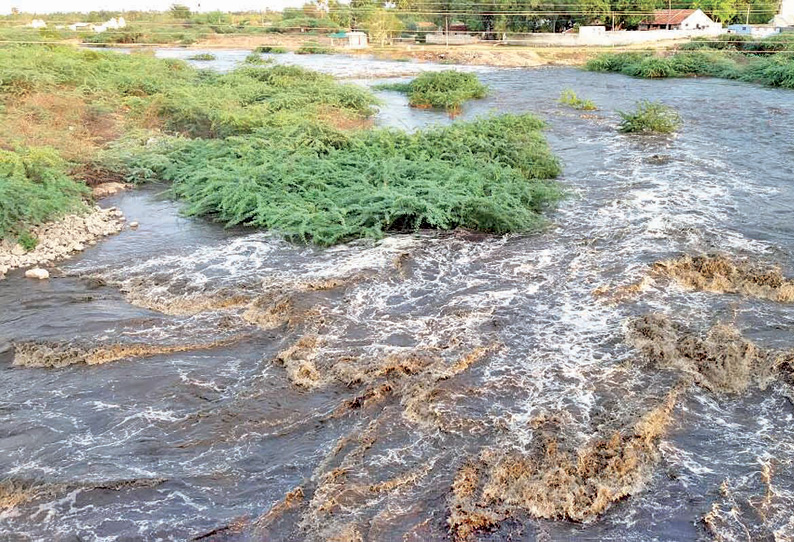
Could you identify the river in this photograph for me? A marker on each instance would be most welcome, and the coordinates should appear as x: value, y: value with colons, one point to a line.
x: 292, y: 429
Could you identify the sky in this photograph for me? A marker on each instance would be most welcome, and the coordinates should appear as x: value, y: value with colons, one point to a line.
x: 49, y: 6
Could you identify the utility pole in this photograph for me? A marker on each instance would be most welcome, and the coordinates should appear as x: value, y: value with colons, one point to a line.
x: 446, y: 34
x: 669, y: 12
x: 747, y: 20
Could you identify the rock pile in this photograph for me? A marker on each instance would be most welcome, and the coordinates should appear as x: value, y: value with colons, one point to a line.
x: 59, y: 239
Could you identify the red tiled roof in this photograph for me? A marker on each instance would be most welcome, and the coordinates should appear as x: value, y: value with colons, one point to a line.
x: 670, y: 16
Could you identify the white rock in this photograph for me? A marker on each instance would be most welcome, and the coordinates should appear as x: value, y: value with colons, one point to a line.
x: 18, y: 250
x: 37, y: 273
x: 133, y: 225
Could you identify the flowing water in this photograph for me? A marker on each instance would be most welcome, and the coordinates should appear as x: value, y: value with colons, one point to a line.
x: 268, y: 391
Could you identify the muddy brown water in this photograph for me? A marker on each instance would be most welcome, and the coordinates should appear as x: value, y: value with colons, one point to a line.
x: 358, y: 388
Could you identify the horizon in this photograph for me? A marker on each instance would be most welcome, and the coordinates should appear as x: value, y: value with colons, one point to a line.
x: 35, y: 7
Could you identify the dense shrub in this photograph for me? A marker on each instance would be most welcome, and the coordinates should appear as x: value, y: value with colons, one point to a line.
x: 35, y: 188
x: 313, y: 48
x: 771, y: 70
x: 255, y: 58
x: 650, y: 118
x: 313, y: 183
x: 272, y: 49
x: 265, y: 150
x: 202, y: 56
x: 444, y: 90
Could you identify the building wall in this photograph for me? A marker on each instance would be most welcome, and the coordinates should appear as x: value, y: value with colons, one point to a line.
x: 697, y: 19
x: 786, y: 15
x: 607, y: 39
x: 439, y: 38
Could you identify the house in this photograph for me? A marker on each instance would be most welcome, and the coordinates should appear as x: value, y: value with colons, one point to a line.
x: 115, y: 23
x: 679, y: 19
x: 351, y: 40
x: 356, y: 40
x: 785, y: 17
x: 77, y: 27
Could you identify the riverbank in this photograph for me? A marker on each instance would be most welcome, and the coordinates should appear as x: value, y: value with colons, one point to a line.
x: 62, y: 238
x: 481, y: 54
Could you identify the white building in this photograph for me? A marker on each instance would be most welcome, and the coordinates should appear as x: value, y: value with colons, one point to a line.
x: 679, y: 19
x: 77, y: 27
x: 754, y: 30
x: 356, y: 40
x: 786, y: 16
x: 37, y: 23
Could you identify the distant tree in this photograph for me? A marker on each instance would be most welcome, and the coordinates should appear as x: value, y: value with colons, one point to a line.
x: 380, y: 24
x: 179, y: 11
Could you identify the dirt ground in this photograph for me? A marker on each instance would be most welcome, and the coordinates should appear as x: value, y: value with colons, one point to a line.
x: 476, y: 54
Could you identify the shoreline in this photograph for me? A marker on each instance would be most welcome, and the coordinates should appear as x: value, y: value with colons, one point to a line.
x: 61, y: 239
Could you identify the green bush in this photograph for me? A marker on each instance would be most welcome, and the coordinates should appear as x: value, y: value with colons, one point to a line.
x: 614, y: 62
x: 315, y: 184
x: 568, y: 97
x: 772, y: 70
x: 27, y: 240
x: 304, y: 24
x: 255, y: 58
x: 650, y: 68
x: 650, y: 118
x: 272, y: 49
x: 443, y: 90
x: 35, y: 188
x: 202, y: 56
x: 313, y: 48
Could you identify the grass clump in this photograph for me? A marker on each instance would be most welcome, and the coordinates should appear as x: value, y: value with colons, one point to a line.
x: 271, y: 49
x: 27, y: 241
x: 269, y: 147
x: 35, y: 188
x: 255, y: 58
x: 313, y: 48
x: 650, y: 118
x: 775, y: 70
x: 313, y: 183
x: 78, y: 100
x: 202, y: 56
x: 568, y: 97
x: 442, y: 90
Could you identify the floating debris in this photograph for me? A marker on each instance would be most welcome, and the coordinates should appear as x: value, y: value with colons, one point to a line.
x: 556, y: 479
x: 720, y: 274
x: 752, y: 509
x: 720, y: 360
x: 62, y: 354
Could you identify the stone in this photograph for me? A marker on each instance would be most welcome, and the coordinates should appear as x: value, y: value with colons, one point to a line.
x: 133, y: 224
x: 37, y: 273
x: 108, y: 189
x: 18, y: 250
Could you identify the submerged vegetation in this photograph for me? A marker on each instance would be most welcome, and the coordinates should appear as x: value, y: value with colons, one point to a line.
x: 568, y: 97
x: 313, y: 48
x: 255, y: 58
x: 650, y: 118
x: 307, y: 167
x: 202, y: 56
x: 443, y: 90
x: 775, y: 70
x: 271, y: 49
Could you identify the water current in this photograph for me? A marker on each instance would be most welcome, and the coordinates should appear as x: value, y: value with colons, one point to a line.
x: 255, y: 389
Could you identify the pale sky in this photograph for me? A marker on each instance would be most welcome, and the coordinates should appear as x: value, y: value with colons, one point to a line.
x: 50, y: 6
